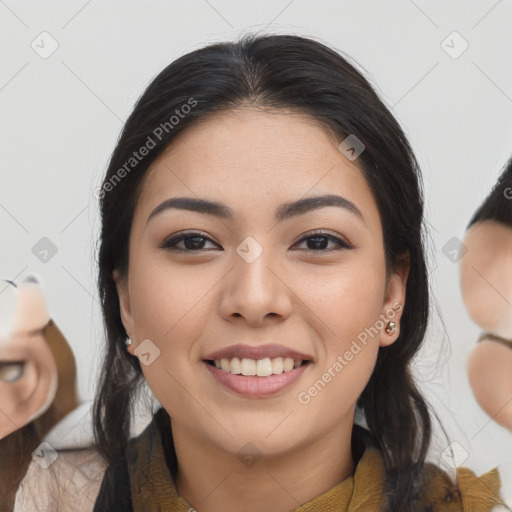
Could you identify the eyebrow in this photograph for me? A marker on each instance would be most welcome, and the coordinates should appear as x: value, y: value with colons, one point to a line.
x: 283, y: 212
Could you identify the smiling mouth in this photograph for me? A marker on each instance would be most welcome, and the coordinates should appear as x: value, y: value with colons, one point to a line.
x: 260, y: 367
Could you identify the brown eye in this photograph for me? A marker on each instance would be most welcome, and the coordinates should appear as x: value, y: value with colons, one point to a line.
x: 192, y: 242
x: 317, y: 242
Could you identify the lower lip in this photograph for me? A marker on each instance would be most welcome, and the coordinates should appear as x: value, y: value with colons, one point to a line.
x: 254, y: 386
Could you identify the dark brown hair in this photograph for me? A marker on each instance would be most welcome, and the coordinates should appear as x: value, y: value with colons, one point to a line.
x: 498, y: 204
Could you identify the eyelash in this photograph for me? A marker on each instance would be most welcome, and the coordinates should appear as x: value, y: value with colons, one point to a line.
x: 170, y: 244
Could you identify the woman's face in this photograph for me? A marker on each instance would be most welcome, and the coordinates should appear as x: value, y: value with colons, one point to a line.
x: 255, y: 277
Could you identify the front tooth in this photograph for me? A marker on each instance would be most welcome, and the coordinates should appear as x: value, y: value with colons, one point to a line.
x: 236, y: 367
x: 277, y: 365
x: 288, y: 364
x: 260, y: 367
x: 264, y: 367
x: 248, y: 367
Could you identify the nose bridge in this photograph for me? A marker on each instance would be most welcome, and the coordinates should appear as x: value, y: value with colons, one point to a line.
x: 255, y: 289
x: 252, y: 262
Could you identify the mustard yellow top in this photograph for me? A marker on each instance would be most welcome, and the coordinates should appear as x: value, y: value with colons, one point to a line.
x: 153, y: 488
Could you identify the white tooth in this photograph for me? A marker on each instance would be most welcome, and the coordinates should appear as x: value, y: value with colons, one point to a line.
x: 277, y: 365
x: 236, y: 367
x: 288, y: 364
x: 261, y: 367
x: 248, y: 367
x: 264, y: 367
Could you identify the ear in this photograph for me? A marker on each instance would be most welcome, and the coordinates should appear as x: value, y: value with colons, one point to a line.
x: 394, y: 299
x: 124, y: 305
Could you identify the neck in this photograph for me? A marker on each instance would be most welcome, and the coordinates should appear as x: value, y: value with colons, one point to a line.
x: 213, y: 480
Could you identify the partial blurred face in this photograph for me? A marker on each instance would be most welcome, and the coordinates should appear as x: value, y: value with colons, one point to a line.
x: 262, y: 277
x: 486, y: 276
x: 486, y: 284
x: 28, y: 369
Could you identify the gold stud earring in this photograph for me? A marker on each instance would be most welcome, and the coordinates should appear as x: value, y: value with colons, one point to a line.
x: 390, y: 328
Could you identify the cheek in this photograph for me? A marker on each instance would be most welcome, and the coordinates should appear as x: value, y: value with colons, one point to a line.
x: 165, y: 299
x: 337, y: 383
x: 346, y: 306
x: 169, y: 310
x: 347, y: 298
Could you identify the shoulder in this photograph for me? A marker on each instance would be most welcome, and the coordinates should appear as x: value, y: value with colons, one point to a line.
x: 434, y: 488
x: 463, y: 491
x: 61, y: 480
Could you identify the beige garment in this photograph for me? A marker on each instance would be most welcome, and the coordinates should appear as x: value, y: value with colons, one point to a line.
x: 71, y: 483
x: 66, y: 470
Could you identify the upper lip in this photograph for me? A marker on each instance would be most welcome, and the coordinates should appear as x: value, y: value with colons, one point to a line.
x: 257, y: 352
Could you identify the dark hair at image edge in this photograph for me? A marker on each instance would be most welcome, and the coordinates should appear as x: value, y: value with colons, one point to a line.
x: 295, y: 74
x: 497, y: 205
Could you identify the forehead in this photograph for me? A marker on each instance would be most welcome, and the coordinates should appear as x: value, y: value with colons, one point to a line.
x: 252, y: 159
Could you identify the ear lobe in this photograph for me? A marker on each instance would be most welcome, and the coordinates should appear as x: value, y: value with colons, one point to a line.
x: 394, y: 299
x: 124, y: 301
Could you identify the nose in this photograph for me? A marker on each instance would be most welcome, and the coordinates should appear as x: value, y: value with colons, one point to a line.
x: 256, y: 289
